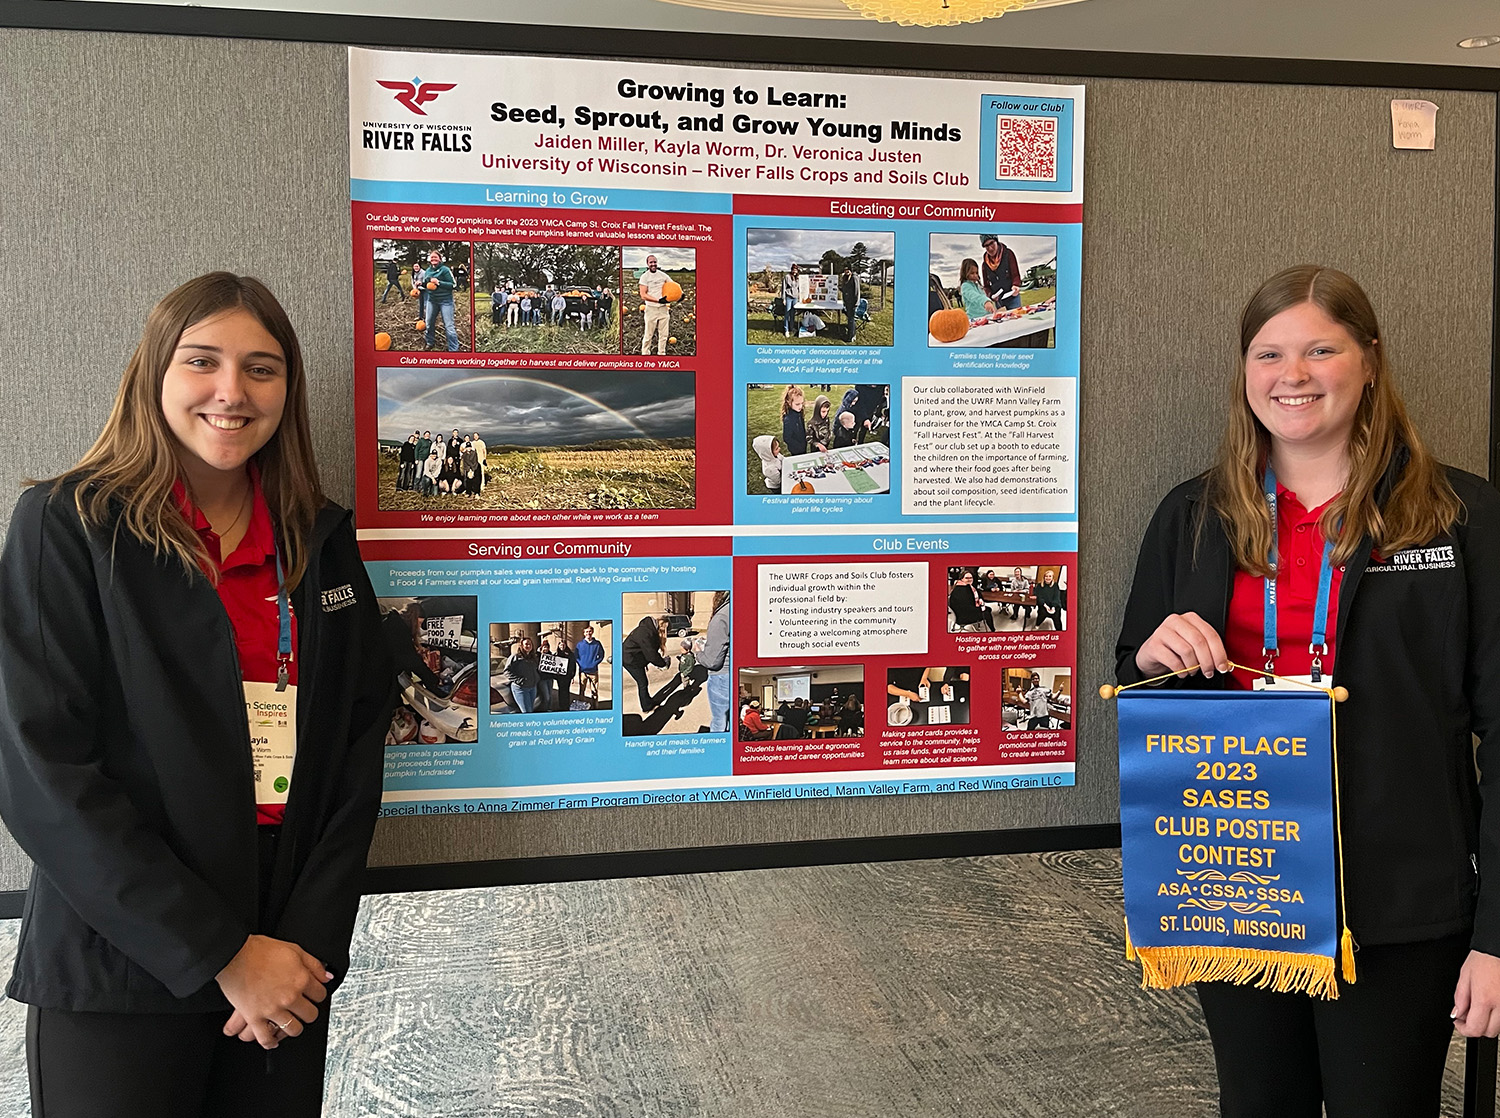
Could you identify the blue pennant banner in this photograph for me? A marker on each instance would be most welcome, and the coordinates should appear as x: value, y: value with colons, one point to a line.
x: 1229, y: 837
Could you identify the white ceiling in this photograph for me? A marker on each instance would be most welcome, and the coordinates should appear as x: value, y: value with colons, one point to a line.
x: 1359, y: 30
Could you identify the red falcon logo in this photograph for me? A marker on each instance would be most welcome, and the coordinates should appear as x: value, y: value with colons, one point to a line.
x: 414, y: 94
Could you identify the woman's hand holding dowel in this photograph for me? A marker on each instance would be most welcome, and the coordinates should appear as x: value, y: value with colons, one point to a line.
x: 273, y: 986
x: 1182, y: 643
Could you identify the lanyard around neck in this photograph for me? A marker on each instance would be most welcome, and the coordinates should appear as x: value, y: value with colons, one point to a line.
x: 284, y: 640
x: 1318, y: 646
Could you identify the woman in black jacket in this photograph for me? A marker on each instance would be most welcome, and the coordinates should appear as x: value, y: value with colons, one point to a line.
x: 1318, y: 448
x: 194, y: 769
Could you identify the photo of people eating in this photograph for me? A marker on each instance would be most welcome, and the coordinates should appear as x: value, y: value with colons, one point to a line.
x: 675, y: 649
x: 818, y: 438
x: 932, y: 696
x: 550, y: 666
x: 1036, y: 699
x: 991, y: 290
x: 1001, y: 598
x: 433, y: 643
x: 802, y: 703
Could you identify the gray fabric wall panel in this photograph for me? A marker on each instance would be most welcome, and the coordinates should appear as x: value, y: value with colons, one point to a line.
x: 153, y: 159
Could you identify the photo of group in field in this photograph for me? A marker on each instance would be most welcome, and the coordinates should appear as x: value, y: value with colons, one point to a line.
x: 820, y: 287
x: 422, y: 296
x: 807, y: 439
x: 535, y: 439
x: 546, y: 298
x: 660, y: 287
x: 991, y: 290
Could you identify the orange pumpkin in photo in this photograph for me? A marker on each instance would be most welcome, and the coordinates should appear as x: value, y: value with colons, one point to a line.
x: 803, y: 487
x: 382, y: 341
x: 415, y: 292
x: 671, y: 341
x: 419, y: 325
x: 948, y: 325
x: 432, y: 285
x: 671, y: 291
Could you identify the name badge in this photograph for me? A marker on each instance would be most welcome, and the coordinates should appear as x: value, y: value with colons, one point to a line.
x: 272, y: 716
x: 1289, y: 683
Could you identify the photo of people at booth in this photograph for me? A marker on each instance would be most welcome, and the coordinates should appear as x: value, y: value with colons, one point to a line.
x: 1036, y: 698
x: 422, y: 295
x: 546, y: 298
x: 1001, y: 598
x: 801, y: 703
x: 550, y: 666
x: 806, y: 439
x: 927, y: 696
x: 992, y: 289
x: 660, y: 291
x: 820, y: 287
x: 433, y: 642
x: 675, y: 653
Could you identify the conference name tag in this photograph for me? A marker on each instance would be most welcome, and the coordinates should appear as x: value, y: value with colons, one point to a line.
x: 272, y: 716
x: 1228, y: 828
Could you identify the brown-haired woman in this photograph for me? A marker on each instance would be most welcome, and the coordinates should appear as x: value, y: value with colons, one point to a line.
x: 1318, y: 447
x: 193, y: 697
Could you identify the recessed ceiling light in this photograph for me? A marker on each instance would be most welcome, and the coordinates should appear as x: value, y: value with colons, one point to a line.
x: 1479, y: 41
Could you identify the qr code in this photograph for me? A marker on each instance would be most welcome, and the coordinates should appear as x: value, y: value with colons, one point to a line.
x: 1026, y: 148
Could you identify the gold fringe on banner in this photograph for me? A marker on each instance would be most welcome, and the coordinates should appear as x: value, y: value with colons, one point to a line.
x: 1283, y: 972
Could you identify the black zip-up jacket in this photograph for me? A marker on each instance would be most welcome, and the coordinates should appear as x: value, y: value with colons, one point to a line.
x: 125, y: 766
x: 1419, y: 650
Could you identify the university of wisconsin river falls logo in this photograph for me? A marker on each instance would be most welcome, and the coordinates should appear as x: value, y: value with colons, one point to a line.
x: 414, y: 94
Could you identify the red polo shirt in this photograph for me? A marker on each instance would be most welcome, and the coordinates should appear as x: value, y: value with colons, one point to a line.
x: 1299, y: 544
x: 247, y: 588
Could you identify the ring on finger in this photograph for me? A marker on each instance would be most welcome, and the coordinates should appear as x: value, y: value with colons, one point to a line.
x: 277, y: 1025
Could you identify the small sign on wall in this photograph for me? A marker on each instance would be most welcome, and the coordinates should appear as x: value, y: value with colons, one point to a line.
x: 1414, y: 125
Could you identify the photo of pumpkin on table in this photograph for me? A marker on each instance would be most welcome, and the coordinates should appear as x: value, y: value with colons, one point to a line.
x: 820, y: 287
x: 991, y: 290
x: 417, y: 297
x: 660, y: 313
x: 818, y: 439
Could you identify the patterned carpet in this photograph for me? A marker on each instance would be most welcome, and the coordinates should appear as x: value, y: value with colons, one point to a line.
x: 944, y: 989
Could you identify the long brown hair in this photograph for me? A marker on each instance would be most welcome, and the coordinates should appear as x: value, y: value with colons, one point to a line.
x: 129, y: 471
x: 1420, y: 506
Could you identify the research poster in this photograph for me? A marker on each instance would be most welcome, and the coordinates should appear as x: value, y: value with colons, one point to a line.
x: 716, y: 429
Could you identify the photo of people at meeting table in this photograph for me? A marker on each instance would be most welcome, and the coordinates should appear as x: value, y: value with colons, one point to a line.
x: 1007, y: 599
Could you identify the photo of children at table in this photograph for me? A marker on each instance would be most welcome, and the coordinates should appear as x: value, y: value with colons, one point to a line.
x: 1001, y: 598
x: 837, y: 444
x: 1036, y: 698
x: 927, y: 696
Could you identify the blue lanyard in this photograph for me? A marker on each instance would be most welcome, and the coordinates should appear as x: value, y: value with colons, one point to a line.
x: 284, y: 641
x: 1318, y: 646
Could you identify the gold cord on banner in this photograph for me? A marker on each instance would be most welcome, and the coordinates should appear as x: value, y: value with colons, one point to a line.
x: 1280, y: 971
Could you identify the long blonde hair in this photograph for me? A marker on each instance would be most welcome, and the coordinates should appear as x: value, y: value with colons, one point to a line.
x: 129, y: 471
x: 1420, y: 506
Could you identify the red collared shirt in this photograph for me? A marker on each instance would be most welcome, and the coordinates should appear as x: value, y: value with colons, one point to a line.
x: 1299, y: 544
x: 247, y: 588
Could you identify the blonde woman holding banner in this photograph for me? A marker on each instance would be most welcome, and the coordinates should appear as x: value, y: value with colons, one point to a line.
x: 1322, y: 473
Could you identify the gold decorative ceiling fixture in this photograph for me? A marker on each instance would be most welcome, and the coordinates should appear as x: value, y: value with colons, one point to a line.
x: 907, y: 13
